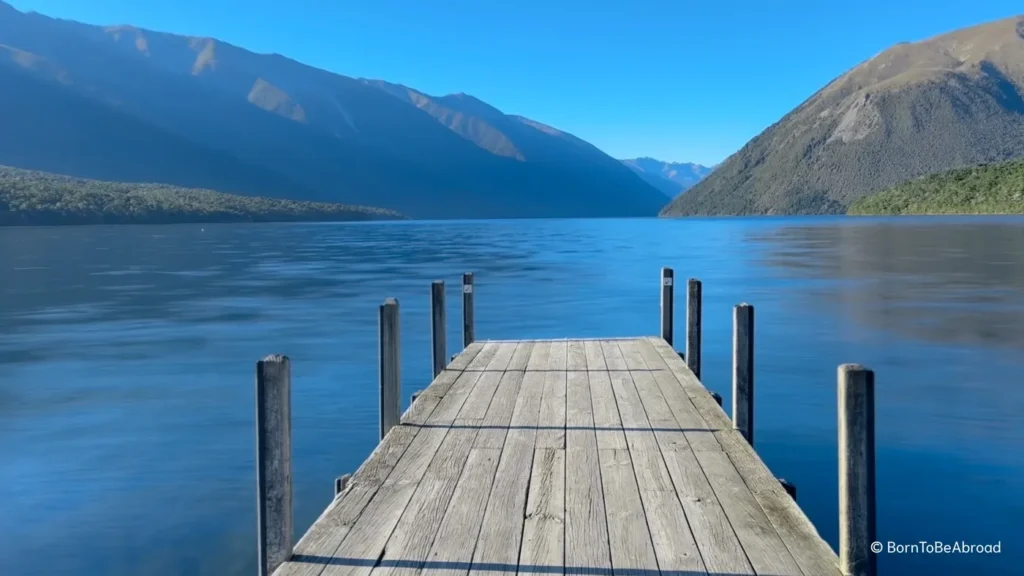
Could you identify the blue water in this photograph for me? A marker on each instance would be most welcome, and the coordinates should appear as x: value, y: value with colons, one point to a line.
x: 127, y: 358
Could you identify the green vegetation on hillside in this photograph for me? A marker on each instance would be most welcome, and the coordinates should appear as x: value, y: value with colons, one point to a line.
x: 986, y: 189
x: 38, y: 198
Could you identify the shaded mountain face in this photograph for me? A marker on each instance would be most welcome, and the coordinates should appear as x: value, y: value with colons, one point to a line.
x: 324, y: 136
x: 672, y: 178
x: 947, y: 102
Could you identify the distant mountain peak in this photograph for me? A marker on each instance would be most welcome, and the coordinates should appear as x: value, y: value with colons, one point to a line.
x: 672, y: 178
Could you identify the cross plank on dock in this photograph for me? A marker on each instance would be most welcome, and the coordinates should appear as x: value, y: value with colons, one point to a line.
x: 576, y: 457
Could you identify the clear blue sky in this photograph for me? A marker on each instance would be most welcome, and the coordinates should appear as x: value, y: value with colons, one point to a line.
x: 673, y: 79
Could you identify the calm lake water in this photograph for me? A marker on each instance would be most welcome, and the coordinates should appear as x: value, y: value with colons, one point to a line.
x: 127, y: 358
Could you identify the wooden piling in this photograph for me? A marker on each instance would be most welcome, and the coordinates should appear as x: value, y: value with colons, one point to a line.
x: 273, y: 462
x: 468, y: 333
x: 667, y: 303
x: 693, y: 303
x: 390, y: 374
x: 743, y: 370
x: 437, y: 327
x: 789, y: 487
x: 717, y: 398
x: 856, y: 470
x: 340, y: 483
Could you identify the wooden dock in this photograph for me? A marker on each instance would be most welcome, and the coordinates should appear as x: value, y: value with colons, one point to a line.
x: 578, y: 457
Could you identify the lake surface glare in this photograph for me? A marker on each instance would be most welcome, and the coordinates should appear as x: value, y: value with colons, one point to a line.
x: 127, y: 357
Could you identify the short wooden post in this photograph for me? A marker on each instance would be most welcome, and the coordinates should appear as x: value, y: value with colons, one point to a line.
x: 743, y: 370
x: 857, y: 470
x: 667, y: 303
x: 340, y: 483
x: 390, y: 366
x: 717, y: 397
x: 693, y: 302
x: 468, y: 333
x: 437, y: 326
x: 273, y: 462
x: 789, y: 487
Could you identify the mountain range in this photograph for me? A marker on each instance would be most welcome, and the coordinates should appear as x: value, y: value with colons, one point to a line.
x: 672, y: 178
x: 122, y: 103
x: 951, y: 101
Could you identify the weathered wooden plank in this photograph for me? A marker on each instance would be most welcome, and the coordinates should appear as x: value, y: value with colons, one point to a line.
x: 468, y: 354
x: 499, y: 413
x: 607, y: 421
x: 502, y: 356
x: 544, y: 527
x: 521, y: 357
x: 653, y: 401
x: 452, y: 549
x: 595, y: 355
x: 480, y: 397
x: 719, y: 548
x: 327, y: 533
x: 613, y: 355
x: 539, y: 357
x: 410, y: 543
x: 810, y: 550
x: 643, y: 448
x: 631, y: 355
x: 368, y: 536
x: 801, y: 537
x: 487, y: 353
x: 451, y: 404
x: 438, y: 388
x: 586, y: 525
x: 577, y: 357
x: 699, y: 434
x: 502, y: 527
x: 558, y: 356
x: 674, y: 545
x: 551, y: 432
x: 766, y: 551
x: 629, y: 538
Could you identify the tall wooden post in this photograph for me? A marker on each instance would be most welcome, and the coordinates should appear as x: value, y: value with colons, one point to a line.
x: 437, y: 326
x: 857, y: 470
x: 390, y: 366
x: 743, y: 370
x: 693, y: 303
x: 468, y: 333
x: 273, y: 462
x: 667, y: 303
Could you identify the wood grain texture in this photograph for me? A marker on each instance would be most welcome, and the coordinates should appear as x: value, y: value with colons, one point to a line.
x: 494, y: 425
x: 452, y: 550
x: 629, y: 538
x: 607, y: 422
x: 586, y: 524
x: 577, y: 357
x: 595, y: 355
x: 521, y: 357
x: 544, y: 527
x: 502, y: 356
x: 531, y: 464
x: 551, y: 426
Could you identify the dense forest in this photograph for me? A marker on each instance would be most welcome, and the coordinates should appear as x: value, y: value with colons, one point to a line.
x: 985, y: 189
x: 39, y: 198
